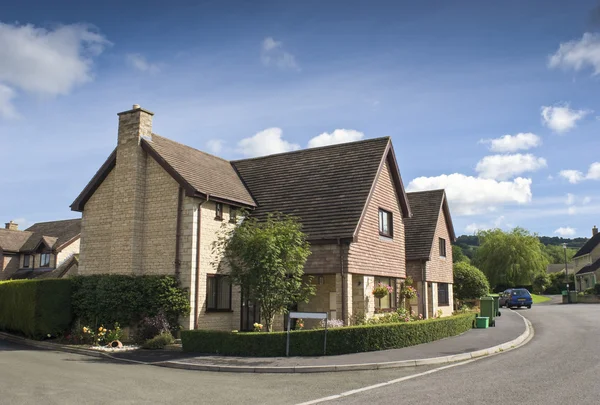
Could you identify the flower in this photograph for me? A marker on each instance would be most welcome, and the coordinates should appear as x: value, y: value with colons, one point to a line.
x: 85, y: 329
x: 49, y: 335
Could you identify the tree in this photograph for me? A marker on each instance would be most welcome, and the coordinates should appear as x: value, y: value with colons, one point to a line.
x: 469, y: 282
x: 458, y: 255
x: 266, y: 258
x: 510, y: 258
x: 540, y: 283
x: 556, y: 254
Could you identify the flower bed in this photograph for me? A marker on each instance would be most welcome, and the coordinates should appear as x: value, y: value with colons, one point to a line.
x: 352, y: 339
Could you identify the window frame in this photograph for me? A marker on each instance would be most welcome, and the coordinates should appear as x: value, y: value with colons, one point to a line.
x: 232, y: 214
x: 216, y: 278
x: 26, y: 261
x: 393, y: 297
x: 42, y: 263
x: 219, y: 211
x: 442, y: 247
x: 446, y: 302
x: 390, y: 223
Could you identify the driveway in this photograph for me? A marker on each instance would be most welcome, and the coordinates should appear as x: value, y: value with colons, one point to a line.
x: 560, y: 365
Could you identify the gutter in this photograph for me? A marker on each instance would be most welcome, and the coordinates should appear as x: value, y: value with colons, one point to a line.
x: 343, y: 277
x: 178, y: 234
x: 197, y: 289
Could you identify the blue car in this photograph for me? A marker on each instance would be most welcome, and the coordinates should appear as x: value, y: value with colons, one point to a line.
x: 518, y: 297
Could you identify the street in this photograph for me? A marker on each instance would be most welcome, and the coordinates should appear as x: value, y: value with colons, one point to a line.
x: 560, y: 365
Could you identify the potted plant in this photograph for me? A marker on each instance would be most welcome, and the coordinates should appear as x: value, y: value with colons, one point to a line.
x: 381, y: 290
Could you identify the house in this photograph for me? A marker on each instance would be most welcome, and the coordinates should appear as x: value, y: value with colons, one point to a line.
x: 560, y: 268
x: 45, y: 249
x: 429, y: 234
x: 156, y: 206
x: 587, y: 262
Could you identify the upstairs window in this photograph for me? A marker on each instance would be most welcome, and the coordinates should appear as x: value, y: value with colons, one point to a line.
x: 26, y: 261
x: 218, y: 293
x: 45, y: 260
x: 232, y: 215
x: 442, y: 247
x: 219, y: 212
x: 386, y: 223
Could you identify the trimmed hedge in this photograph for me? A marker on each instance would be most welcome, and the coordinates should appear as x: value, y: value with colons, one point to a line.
x: 353, y: 339
x: 35, y: 308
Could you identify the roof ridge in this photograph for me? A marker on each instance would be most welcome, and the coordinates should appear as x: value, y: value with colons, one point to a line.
x: 190, y: 147
x: 427, y: 191
x: 315, y: 148
x: 58, y: 220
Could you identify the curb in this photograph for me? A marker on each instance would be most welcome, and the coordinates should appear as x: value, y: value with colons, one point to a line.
x: 513, y: 344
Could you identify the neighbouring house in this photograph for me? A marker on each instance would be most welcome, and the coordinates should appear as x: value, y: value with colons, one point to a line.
x: 429, y: 235
x: 156, y: 206
x: 587, y: 262
x: 560, y: 268
x: 45, y: 249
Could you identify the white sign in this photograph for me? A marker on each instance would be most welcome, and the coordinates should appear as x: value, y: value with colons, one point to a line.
x: 308, y: 315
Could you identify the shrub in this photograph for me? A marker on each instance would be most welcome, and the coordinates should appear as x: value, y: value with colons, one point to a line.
x: 540, y: 283
x: 35, y: 308
x: 152, y: 326
x: 351, y: 339
x: 597, y: 289
x: 469, y: 282
x: 127, y: 299
x: 589, y: 291
x: 159, y: 341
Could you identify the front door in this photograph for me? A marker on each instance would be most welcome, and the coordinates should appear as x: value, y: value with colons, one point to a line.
x: 250, y: 313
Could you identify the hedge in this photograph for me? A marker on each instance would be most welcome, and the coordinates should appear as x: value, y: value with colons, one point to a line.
x: 352, y: 339
x: 35, y: 308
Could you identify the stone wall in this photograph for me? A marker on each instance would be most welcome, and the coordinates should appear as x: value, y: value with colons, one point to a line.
x: 324, y: 259
x: 68, y: 251
x: 10, y: 264
x: 372, y: 254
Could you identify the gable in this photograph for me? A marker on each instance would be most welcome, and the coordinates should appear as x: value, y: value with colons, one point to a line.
x: 590, y: 245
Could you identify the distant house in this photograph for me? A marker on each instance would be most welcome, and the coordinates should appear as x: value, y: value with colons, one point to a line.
x: 429, y: 234
x: 45, y: 249
x: 560, y: 268
x: 587, y: 262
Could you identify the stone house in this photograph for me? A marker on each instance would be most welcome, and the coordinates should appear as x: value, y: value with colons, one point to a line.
x: 429, y: 234
x: 42, y: 250
x: 155, y: 207
x: 587, y: 262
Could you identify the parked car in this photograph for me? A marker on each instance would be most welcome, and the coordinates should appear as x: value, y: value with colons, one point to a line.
x: 519, y: 297
x: 504, y: 296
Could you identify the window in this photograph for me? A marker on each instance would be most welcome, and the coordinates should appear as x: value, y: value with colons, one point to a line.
x: 443, y: 299
x: 385, y: 223
x: 232, y: 215
x: 45, y: 260
x: 219, y: 212
x: 26, y: 260
x: 442, y: 247
x: 218, y: 293
x: 389, y: 301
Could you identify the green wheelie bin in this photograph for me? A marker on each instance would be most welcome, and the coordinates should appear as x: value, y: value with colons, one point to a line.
x: 496, y: 298
x: 488, y: 309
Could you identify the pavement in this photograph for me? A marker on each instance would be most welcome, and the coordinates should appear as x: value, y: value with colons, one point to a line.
x: 510, y: 331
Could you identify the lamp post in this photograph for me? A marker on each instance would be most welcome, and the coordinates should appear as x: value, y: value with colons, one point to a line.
x: 567, y: 273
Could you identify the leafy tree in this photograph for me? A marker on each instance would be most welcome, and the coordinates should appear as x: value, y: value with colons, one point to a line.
x: 267, y: 259
x: 556, y: 254
x: 510, y: 258
x: 458, y: 255
x: 540, y: 283
x: 469, y: 282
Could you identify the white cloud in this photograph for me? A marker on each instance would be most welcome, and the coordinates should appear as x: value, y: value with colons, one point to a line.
x: 565, y: 231
x: 215, y: 146
x: 46, y: 62
x: 7, y: 110
x: 266, y: 142
x: 513, y: 143
x: 504, y: 167
x: 273, y: 54
x: 572, y: 210
x: 578, y: 54
x: 570, y: 199
x: 140, y: 63
x: 474, y: 228
x: 561, y: 119
x: 470, y: 195
x: 574, y: 176
x: 594, y: 171
x: 586, y: 200
x: 337, y: 136
x: 550, y: 177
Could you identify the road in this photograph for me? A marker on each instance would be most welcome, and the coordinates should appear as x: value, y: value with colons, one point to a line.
x: 560, y: 365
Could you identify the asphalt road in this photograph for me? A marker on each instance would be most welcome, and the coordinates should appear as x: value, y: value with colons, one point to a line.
x: 560, y: 365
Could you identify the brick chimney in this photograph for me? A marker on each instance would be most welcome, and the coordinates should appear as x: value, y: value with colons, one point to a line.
x: 129, y: 190
x: 594, y: 230
x: 11, y: 226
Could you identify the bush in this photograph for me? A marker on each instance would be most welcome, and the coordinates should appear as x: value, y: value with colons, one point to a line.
x: 540, y: 283
x: 35, y: 308
x: 590, y: 291
x: 126, y: 300
x: 150, y: 327
x: 159, y: 341
x: 597, y: 289
x: 469, y: 282
x: 351, y: 339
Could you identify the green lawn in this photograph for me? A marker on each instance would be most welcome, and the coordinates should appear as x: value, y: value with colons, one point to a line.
x: 537, y: 299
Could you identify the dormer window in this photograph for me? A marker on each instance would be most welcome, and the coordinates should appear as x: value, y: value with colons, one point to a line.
x: 45, y: 260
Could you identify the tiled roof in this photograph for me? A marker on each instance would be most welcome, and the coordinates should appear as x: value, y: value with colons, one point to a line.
x: 555, y: 268
x: 420, y: 229
x: 206, y: 174
x: 54, y: 234
x: 12, y: 241
x: 326, y: 188
x: 589, y: 246
x: 590, y: 268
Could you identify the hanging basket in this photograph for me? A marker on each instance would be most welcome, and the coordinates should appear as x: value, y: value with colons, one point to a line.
x: 382, y: 290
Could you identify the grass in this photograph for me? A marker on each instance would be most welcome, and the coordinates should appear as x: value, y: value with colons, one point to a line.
x: 538, y: 299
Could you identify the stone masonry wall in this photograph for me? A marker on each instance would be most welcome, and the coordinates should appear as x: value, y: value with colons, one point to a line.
x: 439, y: 269
x: 373, y: 254
x: 68, y: 251
x: 324, y: 259
x: 9, y: 264
x: 96, y: 230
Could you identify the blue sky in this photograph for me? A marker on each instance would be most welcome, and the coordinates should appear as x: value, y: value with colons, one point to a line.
x: 443, y: 79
